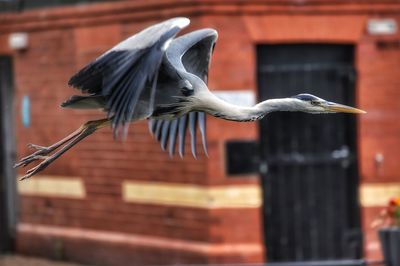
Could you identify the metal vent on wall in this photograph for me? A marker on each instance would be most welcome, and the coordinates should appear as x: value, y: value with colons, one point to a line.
x: 241, y: 157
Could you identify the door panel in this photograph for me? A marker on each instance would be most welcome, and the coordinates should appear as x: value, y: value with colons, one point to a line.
x: 310, y: 187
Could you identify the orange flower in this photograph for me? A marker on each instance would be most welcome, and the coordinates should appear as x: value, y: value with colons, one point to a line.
x: 390, y: 215
x: 397, y: 200
x: 394, y: 202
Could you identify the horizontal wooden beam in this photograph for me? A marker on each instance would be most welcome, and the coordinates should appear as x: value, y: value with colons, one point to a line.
x: 53, y: 186
x: 229, y: 196
x: 378, y: 194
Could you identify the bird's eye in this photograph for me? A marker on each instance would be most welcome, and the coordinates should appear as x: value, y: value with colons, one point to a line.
x: 314, y: 102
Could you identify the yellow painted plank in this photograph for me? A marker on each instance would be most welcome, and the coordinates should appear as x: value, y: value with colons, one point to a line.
x: 230, y: 196
x: 52, y: 186
x: 378, y: 194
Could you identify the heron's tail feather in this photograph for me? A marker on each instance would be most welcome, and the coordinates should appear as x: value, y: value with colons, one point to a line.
x: 85, y: 102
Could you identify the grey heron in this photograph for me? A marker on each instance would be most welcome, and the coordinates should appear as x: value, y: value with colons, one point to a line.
x: 153, y: 75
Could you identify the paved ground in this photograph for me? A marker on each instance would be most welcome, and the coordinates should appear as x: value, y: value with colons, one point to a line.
x: 27, y: 261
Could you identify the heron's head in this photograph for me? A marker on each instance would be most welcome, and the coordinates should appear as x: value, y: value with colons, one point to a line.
x: 312, y: 104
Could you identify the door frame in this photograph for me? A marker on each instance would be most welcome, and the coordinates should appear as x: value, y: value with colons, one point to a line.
x: 8, y: 193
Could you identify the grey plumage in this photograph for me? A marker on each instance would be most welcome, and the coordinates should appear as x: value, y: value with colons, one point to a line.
x: 132, y: 82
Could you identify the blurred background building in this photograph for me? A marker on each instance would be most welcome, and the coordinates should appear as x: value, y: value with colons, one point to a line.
x: 293, y: 187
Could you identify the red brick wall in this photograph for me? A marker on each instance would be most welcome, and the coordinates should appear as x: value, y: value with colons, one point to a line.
x: 378, y: 90
x: 63, y: 40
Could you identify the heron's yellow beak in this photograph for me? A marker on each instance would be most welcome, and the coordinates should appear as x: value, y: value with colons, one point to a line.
x: 340, y: 108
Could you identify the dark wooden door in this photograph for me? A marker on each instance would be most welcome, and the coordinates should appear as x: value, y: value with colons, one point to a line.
x: 309, y: 162
x: 7, y: 156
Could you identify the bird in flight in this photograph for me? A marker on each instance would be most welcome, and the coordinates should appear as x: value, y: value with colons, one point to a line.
x: 153, y: 75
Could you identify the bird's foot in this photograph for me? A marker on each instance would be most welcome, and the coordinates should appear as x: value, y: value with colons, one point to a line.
x: 49, y: 154
x: 43, y: 150
x: 40, y: 154
x: 38, y: 168
x: 29, y: 159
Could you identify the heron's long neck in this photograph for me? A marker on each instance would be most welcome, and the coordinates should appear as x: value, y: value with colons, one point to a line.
x: 220, y: 108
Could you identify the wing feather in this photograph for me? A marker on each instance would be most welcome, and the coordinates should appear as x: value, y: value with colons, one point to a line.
x: 192, y: 131
x: 172, y: 136
x: 128, y: 73
x: 169, y: 132
x: 192, y: 52
x: 152, y: 126
x: 202, y: 127
x: 164, y: 134
x: 182, y: 134
x: 158, y: 130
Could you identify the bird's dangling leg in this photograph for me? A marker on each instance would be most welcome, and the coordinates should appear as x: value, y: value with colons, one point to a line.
x: 42, y: 153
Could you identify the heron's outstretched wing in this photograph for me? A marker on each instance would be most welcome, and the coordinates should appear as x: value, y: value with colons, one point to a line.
x: 188, y: 53
x: 192, y: 52
x: 126, y: 75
